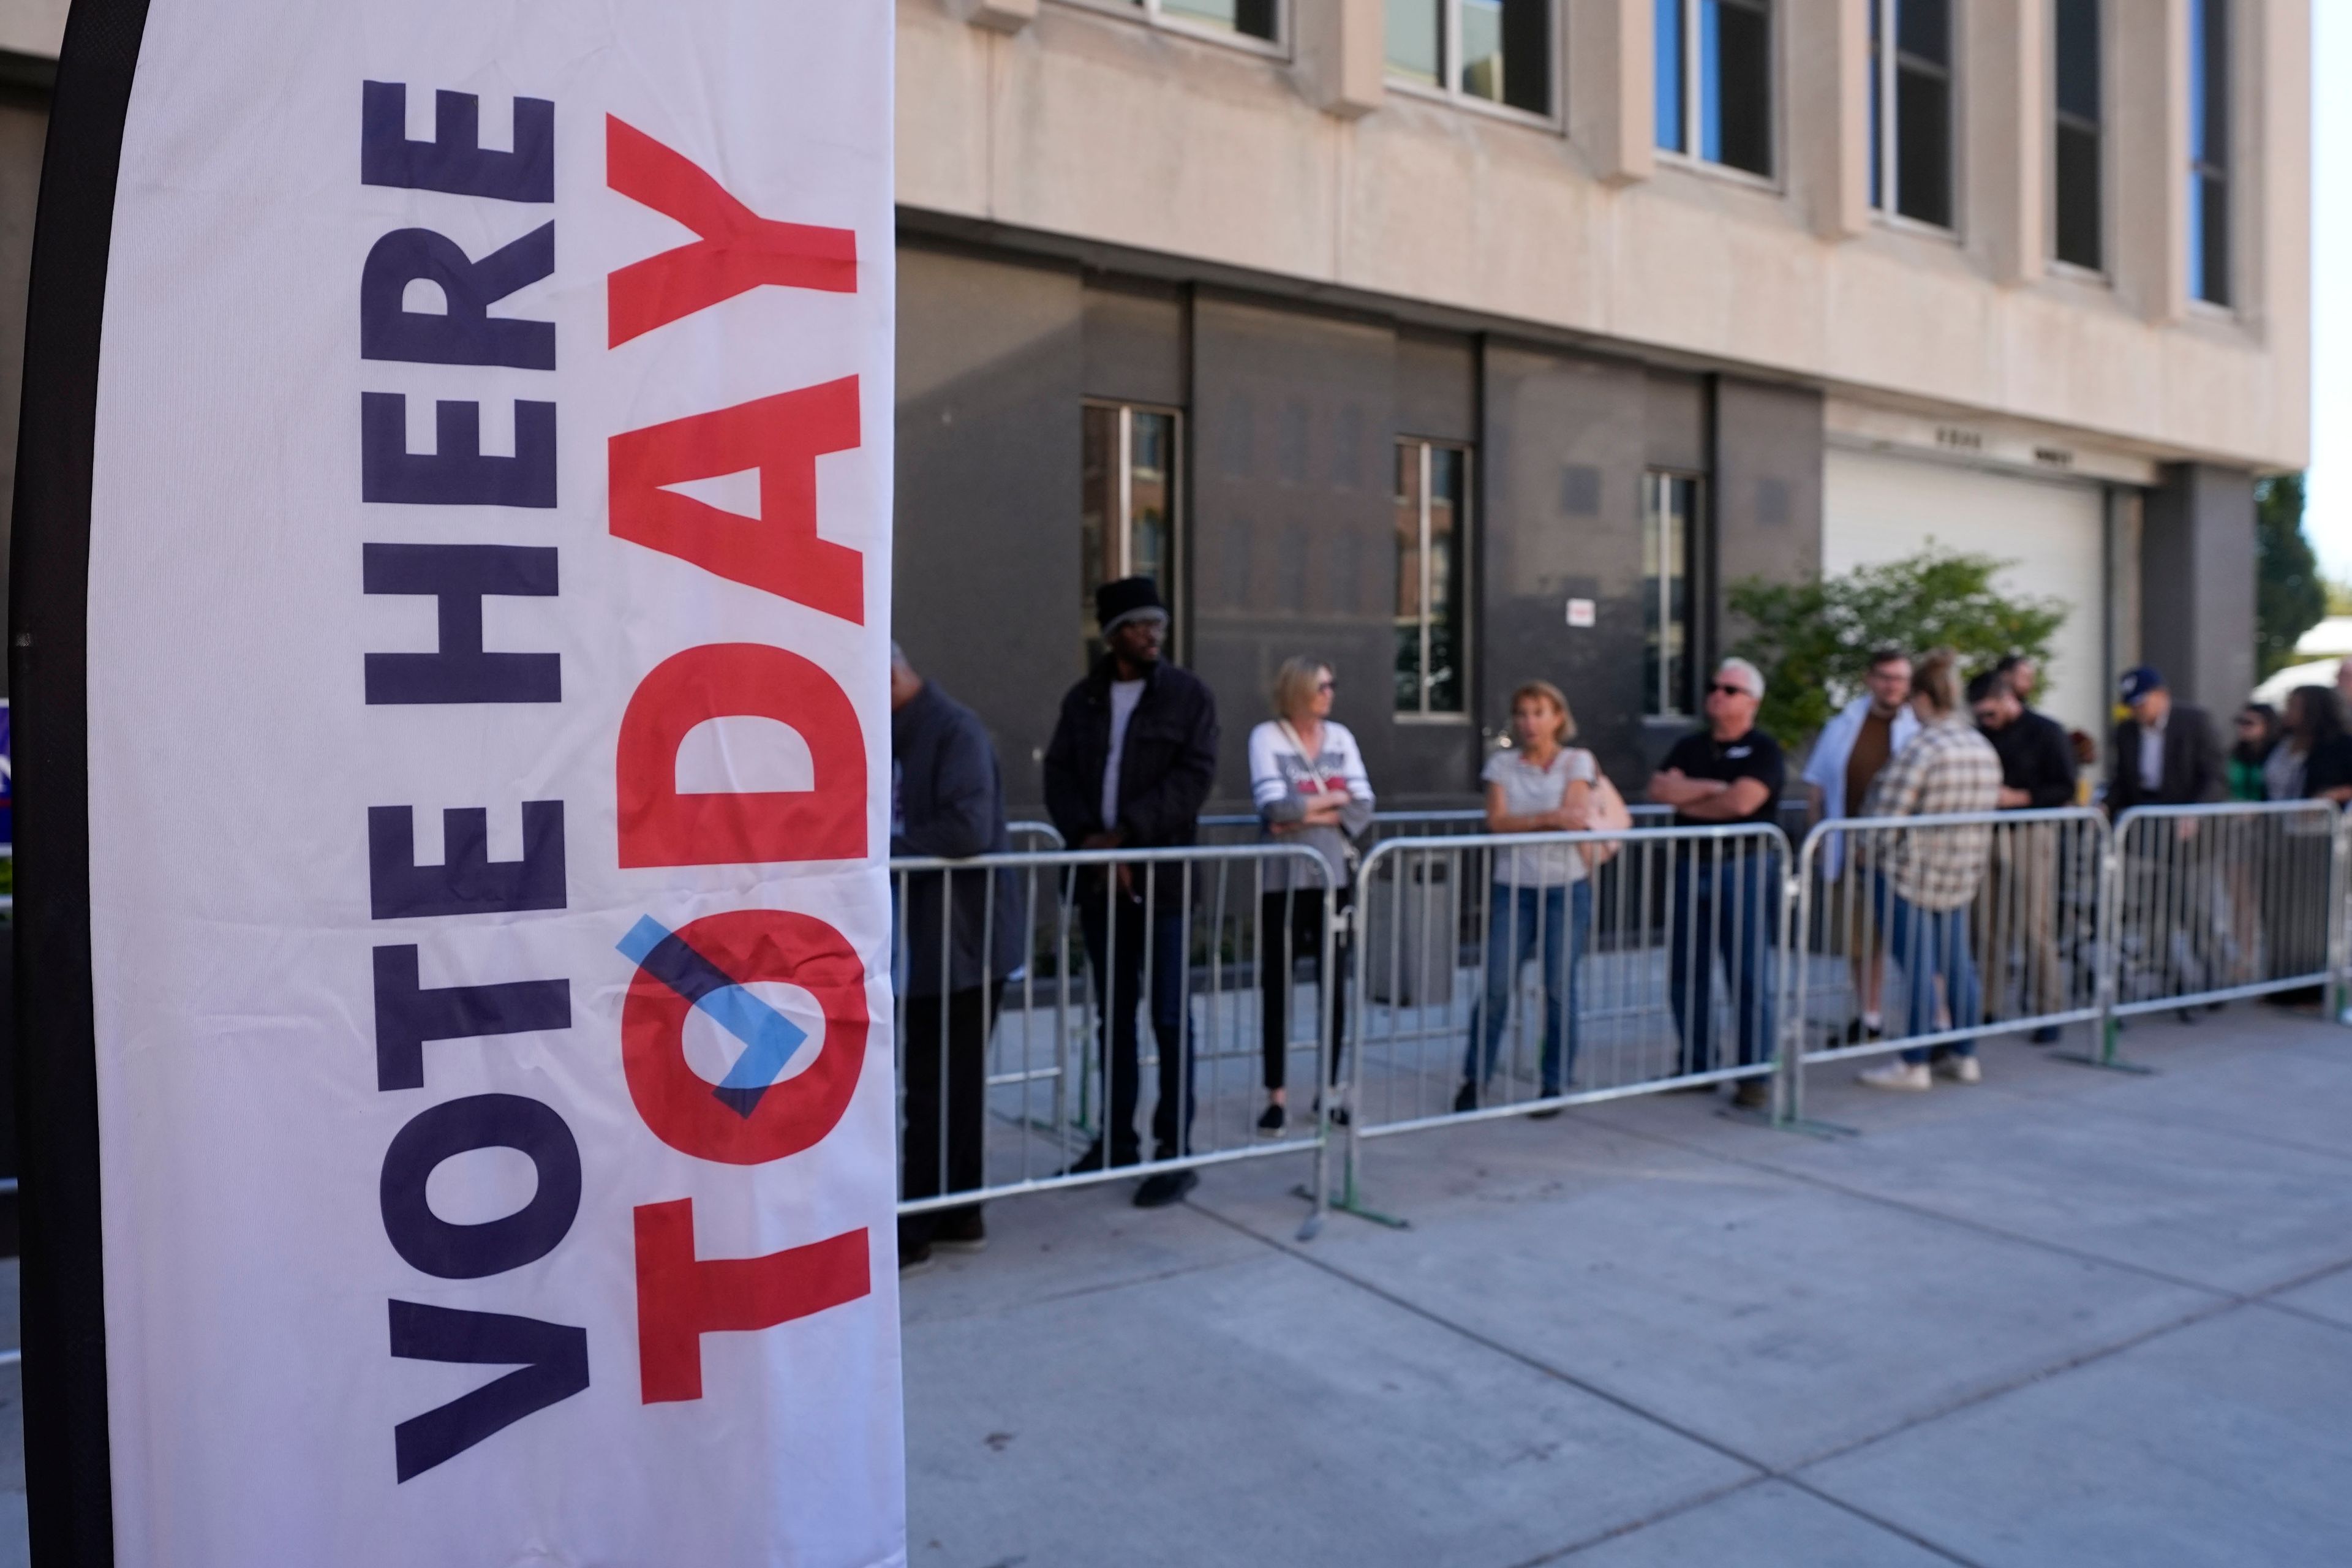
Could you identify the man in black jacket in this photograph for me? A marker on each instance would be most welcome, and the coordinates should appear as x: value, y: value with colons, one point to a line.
x: 1132, y: 758
x: 963, y: 932
x: 2166, y: 753
x: 2017, y: 907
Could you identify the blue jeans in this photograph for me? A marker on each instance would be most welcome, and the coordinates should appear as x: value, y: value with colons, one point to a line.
x: 1517, y: 919
x: 1731, y: 907
x: 1929, y: 943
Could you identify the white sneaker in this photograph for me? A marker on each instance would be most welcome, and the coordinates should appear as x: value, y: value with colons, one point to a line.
x: 1959, y: 1070
x: 1897, y: 1074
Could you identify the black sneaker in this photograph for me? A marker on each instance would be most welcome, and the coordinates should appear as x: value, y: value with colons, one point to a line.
x: 1545, y: 1114
x: 1339, y: 1111
x: 2045, y: 1036
x: 1466, y: 1098
x: 1861, y: 1033
x: 1091, y: 1161
x: 961, y: 1230
x: 915, y: 1260
x: 1270, y: 1125
x: 1159, y: 1191
x: 1753, y: 1094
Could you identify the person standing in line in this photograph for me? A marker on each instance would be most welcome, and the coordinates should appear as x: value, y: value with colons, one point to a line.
x: 2164, y: 754
x: 2016, y: 915
x: 1308, y: 783
x: 2313, y: 759
x: 2022, y: 674
x: 963, y: 934
x: 1849, y: 754
x: 1725, y: 900
x: 1541, y: 897
x: 2258, y: 736
x: 1926, y: 878
x: 1133, y: 756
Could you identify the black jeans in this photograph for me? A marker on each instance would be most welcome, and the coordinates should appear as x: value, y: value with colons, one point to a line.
x: 948, y: 1124
x: 1115, y: 945
x: 1290, y: 927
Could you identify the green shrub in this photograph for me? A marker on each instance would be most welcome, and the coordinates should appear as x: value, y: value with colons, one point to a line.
x: 1814, y: 639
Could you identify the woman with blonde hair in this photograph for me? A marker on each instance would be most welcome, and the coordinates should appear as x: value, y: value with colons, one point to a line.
x: 1541, y: 897
x: 1308, y: 781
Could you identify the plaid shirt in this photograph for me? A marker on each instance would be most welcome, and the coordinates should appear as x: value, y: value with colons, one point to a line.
x: 1947, y: 768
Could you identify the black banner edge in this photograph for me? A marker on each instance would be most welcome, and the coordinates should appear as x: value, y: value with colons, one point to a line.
x: 68, y: 1481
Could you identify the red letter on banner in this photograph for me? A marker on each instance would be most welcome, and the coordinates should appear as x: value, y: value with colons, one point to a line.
x: 782, y: 436
x: 660, y: 826
x: 738, y: 252
x: 679, y: 1106
x: 681, y: 1298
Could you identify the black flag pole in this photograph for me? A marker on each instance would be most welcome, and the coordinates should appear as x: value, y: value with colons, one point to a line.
x: 68, y: 1488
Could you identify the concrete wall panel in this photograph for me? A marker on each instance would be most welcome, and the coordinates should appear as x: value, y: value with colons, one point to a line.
x: 1562, y: 518
x: 986, y: 581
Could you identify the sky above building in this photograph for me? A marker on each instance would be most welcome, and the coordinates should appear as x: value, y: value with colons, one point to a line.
x: 2329, y: 516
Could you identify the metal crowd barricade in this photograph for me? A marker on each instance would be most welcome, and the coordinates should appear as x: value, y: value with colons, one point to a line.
x: 1005, y: 1088
x: 1032, y: 836
x: 1247, y: 828
x: 1949, y: 928
x: 2216, y: 902
x: 1624, y: 997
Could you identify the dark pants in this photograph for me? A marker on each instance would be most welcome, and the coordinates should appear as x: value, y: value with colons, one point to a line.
x: 1730, y: 907
x: 1290, y: 927
x: 957, y: 1061
x: 1115, y: 950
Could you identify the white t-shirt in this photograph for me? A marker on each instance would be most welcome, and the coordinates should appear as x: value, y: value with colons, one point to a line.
x: 1124, y: 695
x: 1527, y: 790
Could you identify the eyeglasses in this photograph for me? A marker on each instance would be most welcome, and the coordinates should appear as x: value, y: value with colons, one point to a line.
x: 1720, y: 689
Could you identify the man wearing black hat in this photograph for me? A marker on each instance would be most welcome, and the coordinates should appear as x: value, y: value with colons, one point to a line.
x: 1133, y: 757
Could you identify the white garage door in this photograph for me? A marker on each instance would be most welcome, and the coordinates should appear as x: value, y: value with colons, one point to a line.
x: 1879, y: 508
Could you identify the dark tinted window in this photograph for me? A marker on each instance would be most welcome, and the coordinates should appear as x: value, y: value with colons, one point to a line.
x: 1735, y: 55
x: 2078, y: 195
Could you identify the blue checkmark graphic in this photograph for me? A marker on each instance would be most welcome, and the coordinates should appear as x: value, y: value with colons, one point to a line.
x: 769, y: 1039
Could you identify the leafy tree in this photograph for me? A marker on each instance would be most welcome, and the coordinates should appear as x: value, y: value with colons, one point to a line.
x: 1814, y: 639
x: 2289, y: 595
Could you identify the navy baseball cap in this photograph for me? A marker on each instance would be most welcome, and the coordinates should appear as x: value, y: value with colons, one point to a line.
x: 2138, y: 681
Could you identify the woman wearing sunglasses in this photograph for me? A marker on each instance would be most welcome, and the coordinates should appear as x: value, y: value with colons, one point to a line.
x: 1308, y: 781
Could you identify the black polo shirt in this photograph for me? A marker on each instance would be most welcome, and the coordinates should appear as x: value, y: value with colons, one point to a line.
x: 1755, y: 755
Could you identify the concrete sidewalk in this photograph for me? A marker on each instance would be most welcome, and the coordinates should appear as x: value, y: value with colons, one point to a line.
x: 2069, y: 1317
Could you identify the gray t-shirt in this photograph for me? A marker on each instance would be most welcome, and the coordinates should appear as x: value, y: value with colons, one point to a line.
x: 1526, y: 790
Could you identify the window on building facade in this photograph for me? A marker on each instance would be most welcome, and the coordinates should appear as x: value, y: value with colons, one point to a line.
x: 1250, y: 18
x: 1669, y: 544
x: 1497, y: 51
x: 1129, y: 461
x: 2077, y: 139
x: 1433, y: 493
x: 1911, y: 143
x: 1714, y: 61
x: 2209, y: 150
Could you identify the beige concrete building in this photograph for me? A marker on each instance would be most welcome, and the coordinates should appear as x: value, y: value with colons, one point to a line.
x: 1469, y: 339
x: 1739, y: 287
